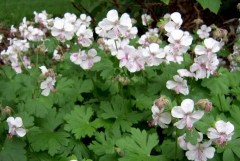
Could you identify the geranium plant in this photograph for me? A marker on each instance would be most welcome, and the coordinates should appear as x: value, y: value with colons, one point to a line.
x: 73, y: 92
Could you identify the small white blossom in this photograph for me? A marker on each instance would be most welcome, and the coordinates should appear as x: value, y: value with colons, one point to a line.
x: 204, y: 66
x: 16, y: 126
x: 186, y: 114
x: 222, y: 132
x: 179, y: 85
x: 204, y: 31
x: 200, y: 151
x: 47, y: 86
x: 210, y: 46
x: 160, y: 117
x: 174, y: 23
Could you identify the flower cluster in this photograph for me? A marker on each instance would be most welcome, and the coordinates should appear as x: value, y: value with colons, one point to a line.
x: 220, y: 134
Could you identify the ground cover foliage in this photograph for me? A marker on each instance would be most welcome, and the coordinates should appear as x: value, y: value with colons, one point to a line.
x: 74, y: 88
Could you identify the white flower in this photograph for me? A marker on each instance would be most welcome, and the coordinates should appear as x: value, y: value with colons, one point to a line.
x: 43, y: 69
x: 47, y: 86
x: 89, y: 59
x: 85, y: 36
x: 160, y: 117
x: 185, y: 73
x: 179, y: 85
x: 182, y: 142
x: 85, y: 60
x: 174, y: 23
x: 210, y: 46
x: 204, y: 66
x: 180, y: 41
x: 56, y: 56
x: 131, y: 58
x: 62, y: 29
x: 203, y: 32
x: 41, y: 18
x: 146, y: 19
x: 200, y: 152
x: 154, y: 55
x: 186, y: 114
x: 222, y: 132
x: 114, y: 27
x: 16, y: 126
x: 16, y: 66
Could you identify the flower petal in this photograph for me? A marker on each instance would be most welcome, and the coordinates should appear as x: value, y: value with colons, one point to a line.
x: 177, y: 112
x: 21, y: 132
x: 18, y: 122
x: 187, y: 105
x: 112, y: 15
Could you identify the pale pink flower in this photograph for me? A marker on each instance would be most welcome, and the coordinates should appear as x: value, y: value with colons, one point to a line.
x: 186, y: 114
x: 131, y: 58
x: 43, y: 69
x: 185, y: 73
x: 204, y: 66
x: 154, y: 55
x: 62, y: 29
x: 56, y: 56
x: 16, y: 66
x: 182, y: 142
x: 89, y: 59
x: 174, y: 23
x: 180, y: 41
x: 76, y: 58
x: 16, y: 126
x: 160, y: 117
x: 47, y: 86
x: 200, y: 151
x: 204, y: 32
x: 114, y: 27
x: 210, y: 46
x: 179, y: 85
x: 222, y: 132
x: 85, y: 36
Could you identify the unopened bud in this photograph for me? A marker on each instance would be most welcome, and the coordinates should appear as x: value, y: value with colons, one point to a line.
x: 220, y: 33
x: 160, y: 102
x: 6, y: 110
x: 205, y: 104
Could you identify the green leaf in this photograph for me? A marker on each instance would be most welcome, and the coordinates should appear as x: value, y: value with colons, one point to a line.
x: 235, y: 113
x: 138, y: 145
x: 143, y: 102
x: 105, y: 67
x: 192, y: 136
x: 165, y: 1
x: 52, y: 120
x: 51, y: 44
x: 104, y: 144
x: 41, y: 140
x: 79, y: 122
x: 221, y: 102
x: 228, y: 155
x: 168, y: 147
x: 236, y: 151
x: 86, y: 86
x: 38, y: 107
x: 119, y: 110
x: 212, y: 5
x: 13, y: 150
x: 218, y: 84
